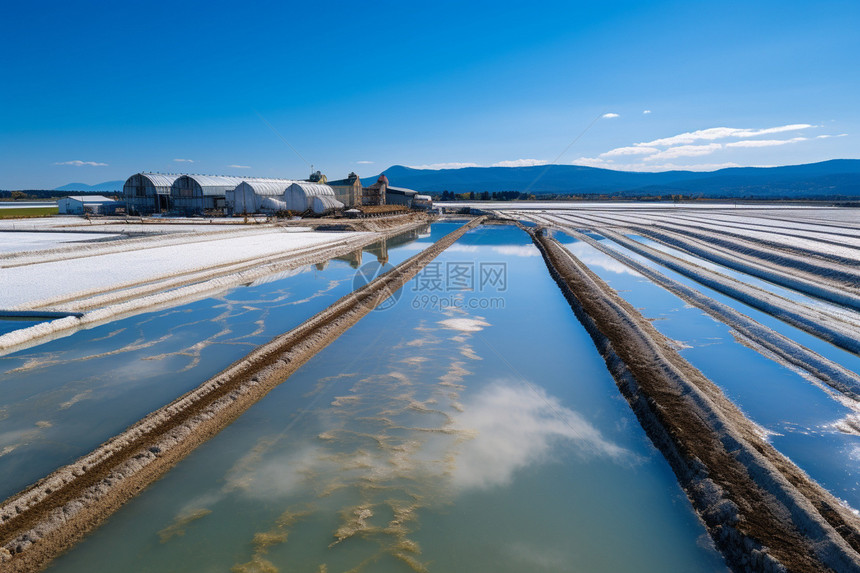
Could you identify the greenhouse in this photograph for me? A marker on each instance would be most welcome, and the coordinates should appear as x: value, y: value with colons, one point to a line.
x: 258, y: 195
x: 300, y: 195
x: 196, y: 194
x: 147, y: 193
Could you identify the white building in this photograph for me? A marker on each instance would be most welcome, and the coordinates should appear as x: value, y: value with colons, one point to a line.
x: 300, y: 195
x: 258, y: 196
x: 92, y: 204
x: 148, y: 193
x: 323, y: 204
x: 196, y: 194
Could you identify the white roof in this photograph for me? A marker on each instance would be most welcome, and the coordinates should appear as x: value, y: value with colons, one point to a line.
x: 268, y: 187
x: 327, y: 201
x: 401, y: 191
x: 215, y: 180
x: 311, y: 189
x: 160, y: 179
x: 323, y: 203
x: 90, y: 198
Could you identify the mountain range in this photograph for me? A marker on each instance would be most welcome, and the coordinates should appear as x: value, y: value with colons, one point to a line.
x: 838, y: 178
x: 114, y: 186
x: 834, y: 179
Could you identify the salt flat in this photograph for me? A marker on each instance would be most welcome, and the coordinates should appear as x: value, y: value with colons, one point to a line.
x: 22, y: 286
x: 16, y: 242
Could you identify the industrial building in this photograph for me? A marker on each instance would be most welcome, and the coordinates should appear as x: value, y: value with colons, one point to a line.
x: 258, y: 196
x: 424, y: 202
x: 399, y: 196
x: 300, y: 195
x: 325, y: 204
x: 348, y: 191
x: 147, y: 193
x: 88, y: 204
x: 196, y: 194
x: 375, y: 194
x: 273, y: 195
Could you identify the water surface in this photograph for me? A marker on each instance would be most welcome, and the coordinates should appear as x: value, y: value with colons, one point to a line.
x: 63, y: 398
x: 799, y: 415
x: 457, y: 430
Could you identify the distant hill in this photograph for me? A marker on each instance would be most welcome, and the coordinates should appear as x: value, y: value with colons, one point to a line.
x: 110, y: 186
x: 838, y: 178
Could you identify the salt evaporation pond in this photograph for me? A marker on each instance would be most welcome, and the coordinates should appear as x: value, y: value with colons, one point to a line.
x: 475, y: 438
x: 20, y: 241
x: 63, y: 398
x: 785, y: 292
x: 797, y: 414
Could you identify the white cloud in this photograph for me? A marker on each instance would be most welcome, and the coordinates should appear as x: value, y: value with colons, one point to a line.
x: 516, y: 427
x: 609, y: 115
x: 646, y: 111
x: 444, y: 166
x: 714, y: 133
x: 764, y: 142
x: 694, y: 167
x: 618, y: 151
x: 184, y: 160
x: 829, y: 136
x: 240, y: 166
x: 517, y: 251
x: 649, y: 167
x: 364, y: 162
x: 594, y: 162
x: 685, y: 151
x: 520, y: 163
x: 79, y: 163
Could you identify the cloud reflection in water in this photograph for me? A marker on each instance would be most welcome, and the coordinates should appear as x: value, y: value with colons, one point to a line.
x: 516, y: 426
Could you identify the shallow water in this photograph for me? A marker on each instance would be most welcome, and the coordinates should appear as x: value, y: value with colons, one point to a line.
x: 63, y: 398
x: 12, y: 324
x: 797, y: 414
x: 452, y: 433
x: 790, y: 294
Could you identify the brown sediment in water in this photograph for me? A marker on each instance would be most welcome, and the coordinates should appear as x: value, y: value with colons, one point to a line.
x: 177, y: 528
x: 55, y: 513
x: 762, y: 511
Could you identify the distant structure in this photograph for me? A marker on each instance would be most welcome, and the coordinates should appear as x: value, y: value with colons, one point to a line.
x: 317, y: 177
x: 375, y: 194
x: 300, y: 197
x: 274, y: 195
x: 348, y: 191
x: 148, y: 193
x: 88, y: 204
x: 424, y: 202
x: 399, y: 196
x: 258, y: 196
x: 325, y: 204
x: 196, y: 194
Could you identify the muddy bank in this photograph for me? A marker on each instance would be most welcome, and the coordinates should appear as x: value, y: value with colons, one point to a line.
x: 763, y: 513
x: 56, y: 512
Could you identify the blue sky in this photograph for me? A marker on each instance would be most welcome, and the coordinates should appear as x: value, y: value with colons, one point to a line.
x: 97, y: 91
